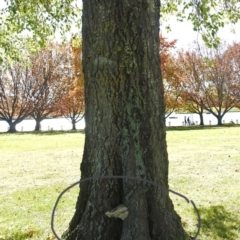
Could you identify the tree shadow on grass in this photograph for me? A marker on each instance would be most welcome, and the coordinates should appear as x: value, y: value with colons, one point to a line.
x: 217, y: 223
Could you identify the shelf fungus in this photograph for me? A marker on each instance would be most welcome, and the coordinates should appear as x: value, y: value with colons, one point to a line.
x: 119, y: 212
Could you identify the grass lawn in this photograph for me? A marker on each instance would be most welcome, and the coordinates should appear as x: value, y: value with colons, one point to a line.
x: 204, y: 165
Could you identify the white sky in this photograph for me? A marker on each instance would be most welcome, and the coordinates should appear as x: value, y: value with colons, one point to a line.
x: 183, y: 32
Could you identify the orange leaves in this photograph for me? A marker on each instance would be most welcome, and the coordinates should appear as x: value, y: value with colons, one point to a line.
x: 170, y: 74
x: 72, y: 104
x: 77, y: 63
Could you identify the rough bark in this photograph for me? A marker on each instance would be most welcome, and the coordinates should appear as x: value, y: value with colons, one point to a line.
x: 125, y: 125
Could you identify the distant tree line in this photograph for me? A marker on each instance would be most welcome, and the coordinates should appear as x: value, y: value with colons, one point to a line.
x: 201, y: 79
x: 48, y: 84
x: 51, y: 83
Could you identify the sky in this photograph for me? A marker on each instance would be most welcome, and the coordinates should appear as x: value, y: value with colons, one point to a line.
x: 183, y: 32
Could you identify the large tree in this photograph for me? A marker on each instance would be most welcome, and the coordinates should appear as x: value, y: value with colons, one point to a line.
x: 125, y: 130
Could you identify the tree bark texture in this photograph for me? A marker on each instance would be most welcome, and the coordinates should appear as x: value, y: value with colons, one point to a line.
x: 125, y: 125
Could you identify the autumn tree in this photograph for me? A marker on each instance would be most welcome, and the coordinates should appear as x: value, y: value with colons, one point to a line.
x: 51, y: 74
x: 221, y: 80
x: 233, y: 51
x: 171, y: 76
x: 15, y: 95
x: 73, y: 104
x: 192, y: 88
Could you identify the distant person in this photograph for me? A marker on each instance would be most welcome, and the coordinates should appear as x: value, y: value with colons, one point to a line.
x: 188, y: 120
x: 185, y: 120
x: 232, y: 122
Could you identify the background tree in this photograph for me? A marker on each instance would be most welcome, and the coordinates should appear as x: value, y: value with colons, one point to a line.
x: 171, y: 76
x: 221, y: 80
x: 15, y: 95
x: 73, y: 105
x: 51, y: 74
x: 233, y: 51
x: 192, y: 83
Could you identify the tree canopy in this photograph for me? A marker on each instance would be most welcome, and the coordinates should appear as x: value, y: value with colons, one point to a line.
x: 207, y: 16
x: 29, y: 24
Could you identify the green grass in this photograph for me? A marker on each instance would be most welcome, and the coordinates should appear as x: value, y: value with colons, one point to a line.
x: 204, y: 165
x: 35, y: 168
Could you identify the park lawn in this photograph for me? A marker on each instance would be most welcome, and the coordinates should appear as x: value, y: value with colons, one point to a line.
x: 204, y: 165
x: 35, y: 168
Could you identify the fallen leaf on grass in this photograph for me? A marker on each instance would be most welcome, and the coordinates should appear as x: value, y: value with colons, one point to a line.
x: 31, y: 233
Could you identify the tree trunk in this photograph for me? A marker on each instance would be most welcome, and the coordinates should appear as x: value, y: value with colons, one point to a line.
x: 74, y: 125
x: 125, y: 129
x: 201, y: 119
x: 219, y: 120
x: 38, y: 124
x: 12, y: 126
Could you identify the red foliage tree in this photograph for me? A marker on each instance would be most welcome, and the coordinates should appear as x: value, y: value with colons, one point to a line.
x: 50, y: 76
x: 233, y: 52
x: 15, y: 86
x: 222, y: 80
x: 73, y: 105
x: 192, y: 88
x: 170, y: 75
x: 211, y: 80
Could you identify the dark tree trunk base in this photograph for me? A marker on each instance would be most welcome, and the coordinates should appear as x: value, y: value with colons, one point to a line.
x: 12, y: 128
x: 74, y: 126
x: 38, y: 125
x: 201, y: 120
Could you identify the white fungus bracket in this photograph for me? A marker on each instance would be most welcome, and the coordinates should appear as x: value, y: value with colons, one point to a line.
x: 119, y: 212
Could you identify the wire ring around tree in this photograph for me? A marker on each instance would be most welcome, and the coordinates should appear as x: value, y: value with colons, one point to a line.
x: 123, y: 177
